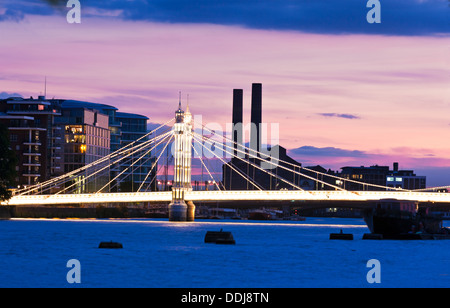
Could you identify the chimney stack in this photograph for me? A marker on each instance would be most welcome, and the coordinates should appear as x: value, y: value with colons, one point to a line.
x: 237, y: 118
x: 395, y: 167
x: 256, y: 116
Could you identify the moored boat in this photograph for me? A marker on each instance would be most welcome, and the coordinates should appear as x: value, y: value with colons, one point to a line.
x: 402, y: 219
x: 259, y: 215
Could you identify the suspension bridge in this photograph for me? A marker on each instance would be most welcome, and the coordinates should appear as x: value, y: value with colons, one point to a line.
x: 94, y: 183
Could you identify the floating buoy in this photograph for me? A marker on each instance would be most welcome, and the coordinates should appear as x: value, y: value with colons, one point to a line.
x: 110, y: 244
x: 341, y: 236
x: 219, y: 237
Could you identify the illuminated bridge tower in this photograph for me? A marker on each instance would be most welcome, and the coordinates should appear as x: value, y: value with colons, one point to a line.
x: 178, y: 209
x: 187, y: 157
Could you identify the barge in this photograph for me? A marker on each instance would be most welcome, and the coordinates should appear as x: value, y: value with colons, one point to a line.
x: 399, y: 219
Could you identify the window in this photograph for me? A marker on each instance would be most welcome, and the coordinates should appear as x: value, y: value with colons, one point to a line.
x: 13, y: 138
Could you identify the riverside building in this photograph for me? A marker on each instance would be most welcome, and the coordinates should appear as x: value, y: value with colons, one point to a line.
x: 33, y: 136
x: 55, y: 136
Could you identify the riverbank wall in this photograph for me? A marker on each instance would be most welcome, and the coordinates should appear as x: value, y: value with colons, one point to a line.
x: 70, y: 212
x: 6, y: 212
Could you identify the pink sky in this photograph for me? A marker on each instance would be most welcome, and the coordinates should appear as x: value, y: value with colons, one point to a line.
x: 397, y: 87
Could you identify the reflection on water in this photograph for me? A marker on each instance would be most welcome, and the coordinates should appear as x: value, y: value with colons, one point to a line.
x: 164, y: 222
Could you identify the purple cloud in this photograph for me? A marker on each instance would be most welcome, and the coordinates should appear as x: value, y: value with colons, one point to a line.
x: 12, y: 15
x: 340, y: 115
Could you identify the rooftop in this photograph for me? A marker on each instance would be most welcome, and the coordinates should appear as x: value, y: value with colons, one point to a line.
x: 126, y: 115
x: 89, y: 105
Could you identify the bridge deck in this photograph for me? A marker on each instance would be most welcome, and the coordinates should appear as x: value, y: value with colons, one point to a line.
x: 233, y: 195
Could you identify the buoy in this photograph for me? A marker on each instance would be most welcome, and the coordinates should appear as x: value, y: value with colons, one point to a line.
x: 341, y: 236
x: 110, y: 244
x: 219, y: 237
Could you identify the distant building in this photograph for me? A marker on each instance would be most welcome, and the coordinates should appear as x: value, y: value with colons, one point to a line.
x: 371, y: 175
x: 382, y: 176
x: 285, y: 175
x: 133, y: 127
x: 236, y: 169
x: 113, y: 125
x: 124, y: 128
x: 53, y: 136
x: 33, y: 137
x: 405, y: 179
x: 86, y: 139
x: 269, y: 179
x: 317, y: 179
x: 95, y: 126
x: 86, y: 136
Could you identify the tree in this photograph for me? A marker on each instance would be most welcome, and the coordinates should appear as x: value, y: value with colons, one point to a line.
x: 8, y: 162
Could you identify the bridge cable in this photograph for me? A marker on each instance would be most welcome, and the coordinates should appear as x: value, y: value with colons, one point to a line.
x: 431, y: 188
x: 211, y: 168
x: 201, y: 160
x: 256, y: 166
x: 142, y: 156
x: 103, y: 159
x: 155, y: 163
x: 293, y: 171
x: 256, y: 185
x: 275, y: 164
x: 140, y: 165
x: 121, y: 158
x: 307, y: 169
x: 132, y: 165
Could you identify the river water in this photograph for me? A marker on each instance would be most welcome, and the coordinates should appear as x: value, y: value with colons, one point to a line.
x: 157, y: 253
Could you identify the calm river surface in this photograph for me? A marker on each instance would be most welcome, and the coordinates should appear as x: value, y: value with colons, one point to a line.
x: 157, y: 253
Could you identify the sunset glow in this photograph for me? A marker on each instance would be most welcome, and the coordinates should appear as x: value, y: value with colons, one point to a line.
x: 375, y: 98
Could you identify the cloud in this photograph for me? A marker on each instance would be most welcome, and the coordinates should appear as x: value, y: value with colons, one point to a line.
x: 12, y: 15
x: 325, y: 16
x: 8, y: 95
x: 326, y: 152
x: 436, y: 169
x: 340, y: 115
x: 417, y: 159
x: 56, y: 3
x: 399, y: 17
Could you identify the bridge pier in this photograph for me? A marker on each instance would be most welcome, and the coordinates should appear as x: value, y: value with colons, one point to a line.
x: 178, y: 211
x: 182, y: 211
x: 190, y: 214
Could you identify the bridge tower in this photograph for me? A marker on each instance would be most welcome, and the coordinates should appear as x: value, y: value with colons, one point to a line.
x: 190, y: 215
x: 179, y: 209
